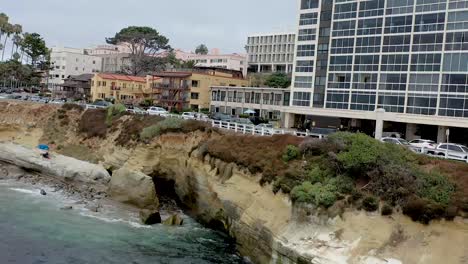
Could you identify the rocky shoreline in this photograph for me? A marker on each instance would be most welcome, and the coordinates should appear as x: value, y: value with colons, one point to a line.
x: 86, y: 195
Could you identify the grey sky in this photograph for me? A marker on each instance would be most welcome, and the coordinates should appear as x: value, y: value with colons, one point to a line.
x: 218, y: 23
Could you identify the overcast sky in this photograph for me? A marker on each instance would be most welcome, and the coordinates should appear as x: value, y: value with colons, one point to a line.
x: 222, y: 24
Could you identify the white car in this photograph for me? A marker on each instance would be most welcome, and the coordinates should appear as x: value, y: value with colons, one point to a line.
x: 57, y: 101
x: 136, y: 110
x: 189, y: 115
x: 423, y: 143
x: 154, y: 110
x: 451, y: 151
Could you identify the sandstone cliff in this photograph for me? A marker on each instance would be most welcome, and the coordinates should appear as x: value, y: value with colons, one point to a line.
x: 267, y: 227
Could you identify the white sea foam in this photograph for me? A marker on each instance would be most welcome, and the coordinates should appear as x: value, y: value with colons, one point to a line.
x: 21, y: 190
x: 114, y: 220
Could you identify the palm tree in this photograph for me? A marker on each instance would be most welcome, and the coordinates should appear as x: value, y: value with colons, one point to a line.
x: 3, y: 22
x: 7, y: 30
x: 17, y: 30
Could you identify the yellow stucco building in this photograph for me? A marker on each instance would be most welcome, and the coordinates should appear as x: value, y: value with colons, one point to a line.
x: 122, y: 88
x: 191, y: 89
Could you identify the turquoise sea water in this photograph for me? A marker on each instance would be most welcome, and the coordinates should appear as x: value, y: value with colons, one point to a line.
x: 34, y: 230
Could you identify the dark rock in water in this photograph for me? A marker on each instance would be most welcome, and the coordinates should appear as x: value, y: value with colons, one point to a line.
x: 93, y: 207
x: 174, y: 220
x: 150, y: 217
x: 43, y: 192
x: 69, y: 207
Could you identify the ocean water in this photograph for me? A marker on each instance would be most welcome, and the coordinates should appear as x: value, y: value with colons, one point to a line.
x: 34, y: 230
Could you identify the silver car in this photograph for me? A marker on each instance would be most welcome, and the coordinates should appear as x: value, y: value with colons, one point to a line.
x: 451, y: 151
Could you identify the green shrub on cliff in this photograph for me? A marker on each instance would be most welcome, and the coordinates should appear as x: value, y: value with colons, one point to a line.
x: 435, y: 187
x: 165, y: 126
x: 115, y: 111
x: 291, y: 153
x: 318, y: 194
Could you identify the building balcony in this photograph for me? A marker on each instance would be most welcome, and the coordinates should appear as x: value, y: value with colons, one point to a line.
x: 167, y: 86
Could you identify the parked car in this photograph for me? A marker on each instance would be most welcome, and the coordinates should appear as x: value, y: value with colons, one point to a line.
x: 401, y: 142
x: 220, y: 117
x: 102, y: 103
x: 57, y: 101
x: 136, y: 110
x: 451, y: 151
x: 154, y: 110
x: 242, y: 121
x: 264, y: 125
x: 392, y: 134
x: 189, y: 115
x: 423, y: 143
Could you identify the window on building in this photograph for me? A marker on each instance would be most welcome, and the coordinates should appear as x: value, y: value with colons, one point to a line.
x: 194, y: 96
x: 339, y: 80
x: 337, y: 99
x: 195, y: 83
x: 322, y: 49
x: 305, y: 50
x: 365, y: 81
x: 309, y: 4
x: 321, y: 64
x: 301, y: 99
x: 370, y: 26
x: 341, y: 63
x: 458, y: 4
x: 104, y: 84
x: 393, y: 81
x: 371, y: 8
x: 368, y: 44
x: 344, y: 28
x: 308, y: 19
x: 426, y: 62
x: 456, y: 62
x: 364, y: 101
x: 398, y: 24
x: 305, y: 66
x: 392, y: 101
x: 429, y: 22
x: 395, y: 7
x: 342, y: 46
x: 324, y: 32
x: 456, y: 41
x: 307, y: 34
x: 424, y: 82
x: 345, y: 11
x: 430, y: 5
x: 397, y: 62
x: 303, y: 82
x: 396, y: 43
x: 457, y: 20
x: 366, y: 63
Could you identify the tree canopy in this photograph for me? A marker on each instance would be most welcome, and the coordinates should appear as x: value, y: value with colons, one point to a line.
x: 278, y: 80
x: 201, y: 49
x: 143, y: 42
x: 35, y: 47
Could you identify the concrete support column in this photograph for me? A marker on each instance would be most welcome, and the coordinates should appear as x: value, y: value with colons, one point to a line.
x: 288, y: 120
x: 411, y: 131
x: 379, y: 123
x: 441, y: 134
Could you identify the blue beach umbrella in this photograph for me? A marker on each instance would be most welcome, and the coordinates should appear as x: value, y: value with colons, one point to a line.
x: 43, y: 147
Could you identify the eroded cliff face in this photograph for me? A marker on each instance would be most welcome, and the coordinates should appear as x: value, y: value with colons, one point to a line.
x: 267, y: 227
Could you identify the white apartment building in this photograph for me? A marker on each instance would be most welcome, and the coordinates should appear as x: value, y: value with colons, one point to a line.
x: 394, y: 65
x: 70, y: 61
x: 271, y: 52
x: 227, y: 61
x: 109, y: 49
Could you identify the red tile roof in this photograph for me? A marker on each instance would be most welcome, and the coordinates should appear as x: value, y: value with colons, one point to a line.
x: 109, y: 76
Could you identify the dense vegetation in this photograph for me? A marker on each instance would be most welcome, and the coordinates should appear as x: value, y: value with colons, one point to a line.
x: 353, y: 168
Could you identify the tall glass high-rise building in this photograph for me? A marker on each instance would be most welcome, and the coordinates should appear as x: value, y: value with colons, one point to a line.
x: 409, y: 57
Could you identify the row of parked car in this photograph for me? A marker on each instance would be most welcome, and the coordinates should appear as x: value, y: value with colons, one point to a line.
x: 430, y: 147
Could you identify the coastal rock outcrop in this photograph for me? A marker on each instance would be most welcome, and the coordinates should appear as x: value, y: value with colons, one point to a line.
x: 134, y: 188
x: 65, y: 168
x: 174, y: 220
x: 150, y: 217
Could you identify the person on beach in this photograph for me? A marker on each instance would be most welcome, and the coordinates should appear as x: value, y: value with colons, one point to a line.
x: 44, y: 150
